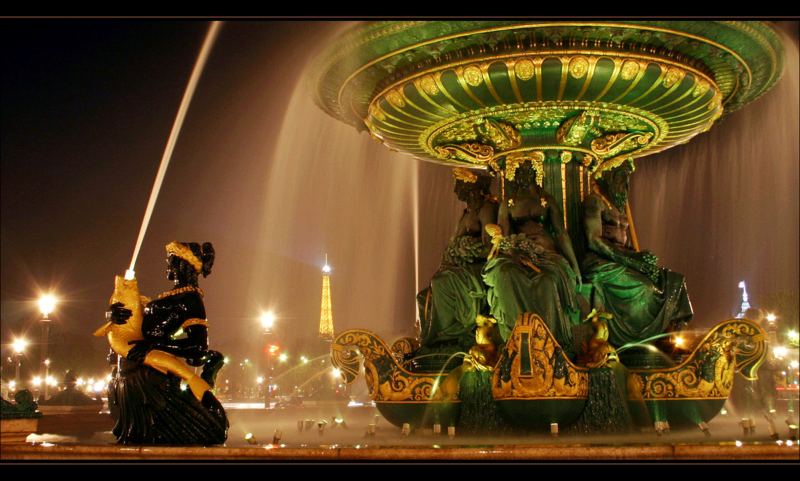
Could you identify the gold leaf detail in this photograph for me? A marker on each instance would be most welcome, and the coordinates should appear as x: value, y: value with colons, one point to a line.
x: 629, y: 69
x: 524, y: 69
x: 429, y: 85
x: 473, y: 75
x: 578, y: 67
x: 674, y: 75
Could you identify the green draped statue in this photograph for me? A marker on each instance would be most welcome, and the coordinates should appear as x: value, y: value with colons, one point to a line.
x: 535, y: 269
x: 643, y: 298
x: 449, y: 307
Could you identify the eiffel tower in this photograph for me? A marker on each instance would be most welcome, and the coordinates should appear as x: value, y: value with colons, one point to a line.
x: 326, y: 314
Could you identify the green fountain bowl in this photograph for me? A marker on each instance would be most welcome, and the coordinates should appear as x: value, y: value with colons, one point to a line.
x: 539, y: 414
x: 419, y: 86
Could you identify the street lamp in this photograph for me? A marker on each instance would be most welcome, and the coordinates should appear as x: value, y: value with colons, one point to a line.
x: 18, y: 345
x: 267, y: 323
x: 47, y: 304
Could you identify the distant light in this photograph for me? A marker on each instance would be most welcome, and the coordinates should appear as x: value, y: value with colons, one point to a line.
x: 19, y: 345
x: 304, y: 359
x: 98, y: 386
x: 780, y: 351
x: 771, y: 317
x: 47, y: 303
x: 326, y: 269
x: 679, y: 341
x: 47, y: 362
x: 247, y: 361
x: 336, y: 373
x: 779, y: 442
x: 794, y: 364
x: 91, y: 380
x: 273, y: 349
x: 37, y: 381
x: 283, y: 357
x: 794, y: 337
x: 50, y: 380
x: 260, y: 380
x: 723, y: 411
x: 80, y: 381
x: 789, y: 443
x: 12, y: 385
x: 184, y: 385
x: 267, y: 320
x: 738, y: 444
x: 227, y: 359
x: 250, y: 438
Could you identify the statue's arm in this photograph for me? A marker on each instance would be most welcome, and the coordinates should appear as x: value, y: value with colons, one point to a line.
x: 504, y: 217
x: 562, y: 237
x: 488, y: 215
x: 593, y: 225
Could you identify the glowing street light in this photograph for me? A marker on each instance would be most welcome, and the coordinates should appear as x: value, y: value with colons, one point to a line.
x: 780, y: 352
x: 336, y: 373
x: 283, y: 357
x: 47, y: 304
x: 18, y: 345
x: 304, y: 359
x: 267, y: 321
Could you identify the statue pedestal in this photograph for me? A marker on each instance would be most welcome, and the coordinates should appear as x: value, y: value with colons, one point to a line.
x: 16, y: 431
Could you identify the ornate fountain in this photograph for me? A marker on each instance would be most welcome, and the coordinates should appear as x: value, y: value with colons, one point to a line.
x: 569, y: 106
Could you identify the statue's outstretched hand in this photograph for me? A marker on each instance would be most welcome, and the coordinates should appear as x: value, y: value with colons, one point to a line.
x: 118, y: 314
x: 139, y: 350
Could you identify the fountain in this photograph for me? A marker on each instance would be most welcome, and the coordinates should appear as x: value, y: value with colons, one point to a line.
x: 556, y: 113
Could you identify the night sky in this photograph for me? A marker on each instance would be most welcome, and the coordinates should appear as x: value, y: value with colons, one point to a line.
x: 87, y: 107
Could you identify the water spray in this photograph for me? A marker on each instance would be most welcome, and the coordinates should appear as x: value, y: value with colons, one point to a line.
x: 208, y: 43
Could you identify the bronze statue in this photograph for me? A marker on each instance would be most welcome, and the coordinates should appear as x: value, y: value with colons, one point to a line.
x: 449, y: 308
x: 145, y: 394
x: 536, y: 269
x: 643, y: 298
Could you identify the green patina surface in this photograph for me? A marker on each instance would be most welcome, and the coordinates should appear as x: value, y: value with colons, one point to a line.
x: 418, y: 85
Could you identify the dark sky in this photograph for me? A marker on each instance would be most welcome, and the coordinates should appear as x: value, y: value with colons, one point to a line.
x: 87, y: 107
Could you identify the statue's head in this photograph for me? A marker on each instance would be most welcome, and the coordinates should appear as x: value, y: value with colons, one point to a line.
x: 616, y: 182
x: 520, y: 178
x: 187, y: 260
x: 471, y: 187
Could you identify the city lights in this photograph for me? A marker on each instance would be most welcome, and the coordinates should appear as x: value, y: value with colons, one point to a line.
x: 47, y: 303
x: 19, y: 345
x: 267, y: 320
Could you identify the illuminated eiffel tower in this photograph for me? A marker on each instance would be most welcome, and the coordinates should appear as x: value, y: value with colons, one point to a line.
x: 326, y: 313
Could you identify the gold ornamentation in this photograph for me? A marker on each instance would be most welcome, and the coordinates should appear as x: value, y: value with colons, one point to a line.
x: 630, y: 68
x: 483, y: 355
x: 613, y: 144
x: 404, y: 346
x: 524, y: 69
x: 473, y: 152
x: 194, y: 322
x: 736, y: 345
x: 535, y: 157
x: 536, y: 376
x: 500, y: 135
x: 387, y: 381
x: 543, y: 202
x: 175, y: 248
x: 396, y: 98
x: 610, y: 118
x: 575, y: 129
x: 511, y: 202
x: 429, y: 85
x: 578, y: 67
x: 673, y: 76
x: 566, y: 156
x: 700, y: 88
x: 464, y: 175
x: 180, y: 290
x: 376, y: 112
x: 473, y: 75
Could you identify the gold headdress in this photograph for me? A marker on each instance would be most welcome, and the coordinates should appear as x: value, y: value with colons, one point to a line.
x: 464, y: 175
x: 184, y: 252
